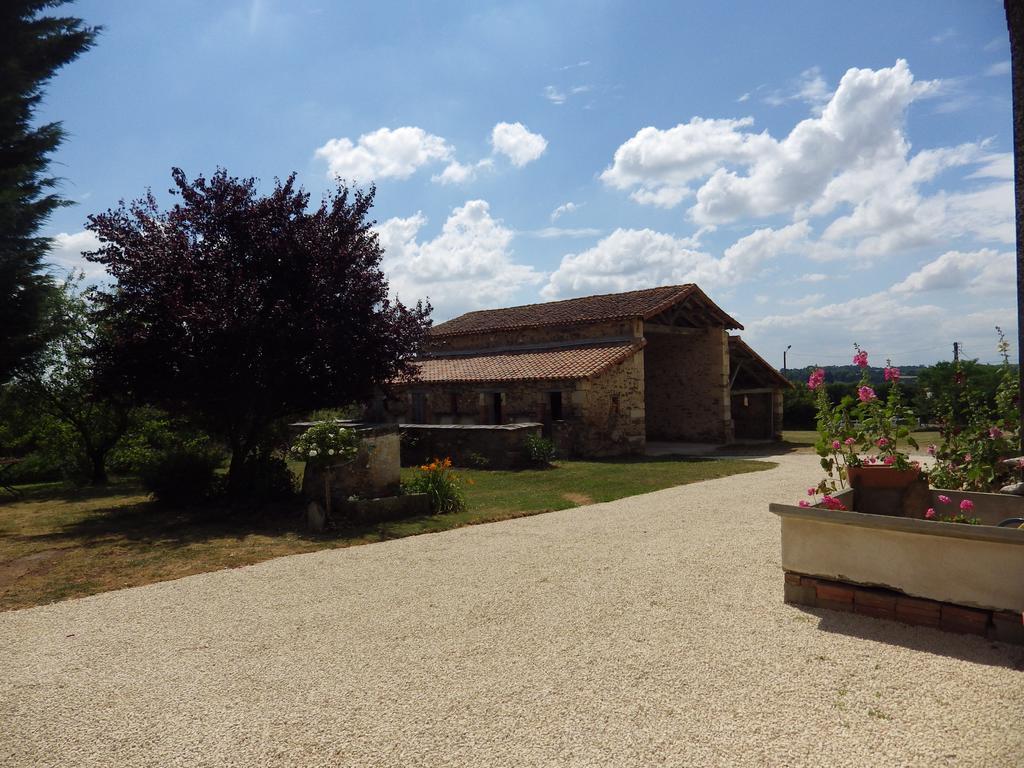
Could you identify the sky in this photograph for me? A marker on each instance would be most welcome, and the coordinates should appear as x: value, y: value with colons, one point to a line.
x: 828, y: 173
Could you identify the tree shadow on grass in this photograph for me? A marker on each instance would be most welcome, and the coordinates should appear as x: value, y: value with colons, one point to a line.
x: 972, y: 648
x: 143, y: 524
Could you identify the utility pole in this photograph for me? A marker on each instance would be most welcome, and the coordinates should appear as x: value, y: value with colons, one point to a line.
x: 956, y: 352
x: 784, y: 357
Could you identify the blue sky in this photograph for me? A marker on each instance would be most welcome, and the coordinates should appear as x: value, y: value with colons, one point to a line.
x: 827, y: 172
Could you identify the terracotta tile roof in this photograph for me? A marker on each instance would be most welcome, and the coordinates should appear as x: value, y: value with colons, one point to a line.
x: 588, y: 309
x: 739, y: 350
x: 578, y: 362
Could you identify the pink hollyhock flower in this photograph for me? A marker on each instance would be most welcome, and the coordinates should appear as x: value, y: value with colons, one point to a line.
x: 944, y: 499
x: 966, y: 505
x: 811, y: 491
x: 931, y: 449
x: 804, y: 503
x: 995, y: 433
x: 866, y: 394
x: 836, y: 445
x: 881, y: 442
x: 892, y: 374
x: 851, y: 441
x: 816, y: 379
x: 830, y: 502
x: 967, y: 457
x: 930, y: 514
x: 889, y: 460
x: 861, y: 358
x: 872, y: 460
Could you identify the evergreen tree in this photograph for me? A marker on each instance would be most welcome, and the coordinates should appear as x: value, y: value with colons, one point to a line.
x: 33, y: 47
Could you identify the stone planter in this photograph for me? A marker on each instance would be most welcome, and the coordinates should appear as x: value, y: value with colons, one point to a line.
x: 952, y: 564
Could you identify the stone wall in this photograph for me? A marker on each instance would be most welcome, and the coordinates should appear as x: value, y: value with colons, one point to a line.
x: 493, y: 446
x: 611, y: 411
x: 686, y: 378
x: 501, y: 339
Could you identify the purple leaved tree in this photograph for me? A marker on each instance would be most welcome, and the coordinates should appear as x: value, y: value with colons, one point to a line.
x: 238, y: 310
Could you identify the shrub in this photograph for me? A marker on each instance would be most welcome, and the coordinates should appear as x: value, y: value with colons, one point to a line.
x: 326, y: 443
x: 442, y: 484
x: 539, y: 450
x: 182, y: 474
x: 478, y: 460
x: 976, y: 435
x: 264, y: 477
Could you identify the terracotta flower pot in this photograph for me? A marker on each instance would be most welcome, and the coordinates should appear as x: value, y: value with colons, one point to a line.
x: 875, y: 476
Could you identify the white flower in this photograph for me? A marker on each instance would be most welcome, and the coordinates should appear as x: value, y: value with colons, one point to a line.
x: 330, y: 452
x: 312, y: 454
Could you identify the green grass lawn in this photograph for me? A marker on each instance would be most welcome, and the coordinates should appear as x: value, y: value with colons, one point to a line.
x: 57, y: 543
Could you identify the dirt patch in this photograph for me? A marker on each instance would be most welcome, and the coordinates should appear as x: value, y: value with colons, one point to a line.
x: 12, y: 570
x: 579, y: 499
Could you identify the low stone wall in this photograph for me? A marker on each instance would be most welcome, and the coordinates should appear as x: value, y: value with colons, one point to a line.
x: 491, y: 446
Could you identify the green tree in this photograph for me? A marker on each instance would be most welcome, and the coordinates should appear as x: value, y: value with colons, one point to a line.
x: 81, y: 420
x: 32, y: 48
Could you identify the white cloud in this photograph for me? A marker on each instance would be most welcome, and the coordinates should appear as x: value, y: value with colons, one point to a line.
x: 516, y: 142
x: 554, y: 95
x: 859, y: 130
x: 854, y: 157
x: 662, y: 163
x: 998, y: 69
x: 549, y: 233
x: 468, y: 265
x: 625, y: 260
x: 460, y: 173
x: 984, y: 271
x: 563, y: 209
x: 662, y: 197
x: 809, y: 88
x: 812, y: 277
x: 943, y: 36
x: 803, y: 301
x: 743, y: 97
x: 66, y: 254
x: 999, y: 166
x: 639, y: 258
x: 384, y: 153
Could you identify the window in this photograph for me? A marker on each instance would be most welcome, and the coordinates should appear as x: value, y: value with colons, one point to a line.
x: 555, y: 405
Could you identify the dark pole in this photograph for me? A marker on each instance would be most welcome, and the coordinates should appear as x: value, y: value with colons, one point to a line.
x: 1015, y: 24
x: 784, y: 357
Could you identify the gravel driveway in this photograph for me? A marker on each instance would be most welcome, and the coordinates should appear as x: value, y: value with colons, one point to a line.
x: 646, y: 631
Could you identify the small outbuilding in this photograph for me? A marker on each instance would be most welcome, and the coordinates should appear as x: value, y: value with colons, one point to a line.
x: 602, y: 374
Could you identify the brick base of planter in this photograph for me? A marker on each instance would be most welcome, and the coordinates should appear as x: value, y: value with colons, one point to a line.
x: 1003, y: 626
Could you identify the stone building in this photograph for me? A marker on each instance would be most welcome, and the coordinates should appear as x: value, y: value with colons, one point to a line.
x: 603, y: 374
